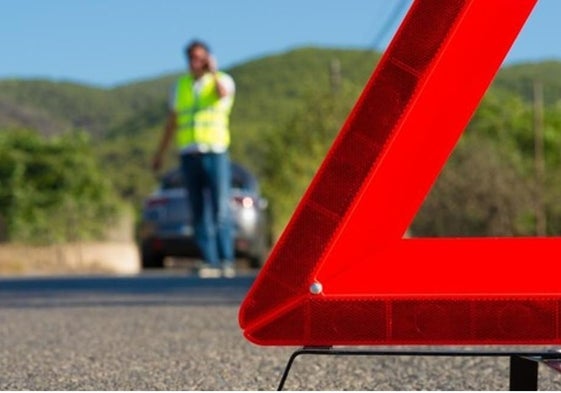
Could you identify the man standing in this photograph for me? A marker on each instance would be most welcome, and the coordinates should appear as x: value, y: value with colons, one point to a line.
x: 200, y: 106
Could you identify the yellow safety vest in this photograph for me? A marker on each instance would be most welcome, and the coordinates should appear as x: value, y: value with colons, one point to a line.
x: 202, y: 118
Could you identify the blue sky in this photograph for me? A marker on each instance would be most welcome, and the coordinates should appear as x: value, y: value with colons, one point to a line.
x: 112, y: 42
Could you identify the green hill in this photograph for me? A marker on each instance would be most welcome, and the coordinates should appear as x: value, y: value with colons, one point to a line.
x: 70, y: 105
x: 267, y: 89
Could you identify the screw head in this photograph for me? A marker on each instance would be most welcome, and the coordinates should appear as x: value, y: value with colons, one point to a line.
x: 316, y: 288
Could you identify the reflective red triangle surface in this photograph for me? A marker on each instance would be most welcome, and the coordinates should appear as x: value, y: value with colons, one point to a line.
x: 342, y: 274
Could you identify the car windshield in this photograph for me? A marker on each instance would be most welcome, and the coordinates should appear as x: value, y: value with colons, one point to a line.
x: 242, y: 179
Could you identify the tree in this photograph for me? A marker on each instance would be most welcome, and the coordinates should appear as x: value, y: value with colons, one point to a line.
x: 480, y: 192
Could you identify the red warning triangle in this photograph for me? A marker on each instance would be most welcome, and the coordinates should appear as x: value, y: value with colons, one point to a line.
x: 341, y: 273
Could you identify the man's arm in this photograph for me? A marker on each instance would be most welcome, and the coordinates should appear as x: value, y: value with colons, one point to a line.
x: 221, y: 89
x: 169, y: 132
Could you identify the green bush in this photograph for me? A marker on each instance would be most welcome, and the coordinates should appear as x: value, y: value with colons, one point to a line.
x: 52, y: 190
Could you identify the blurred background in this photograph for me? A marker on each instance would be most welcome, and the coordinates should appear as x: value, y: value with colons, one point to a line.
x: 83, y: 99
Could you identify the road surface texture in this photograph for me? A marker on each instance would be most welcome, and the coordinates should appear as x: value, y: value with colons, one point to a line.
x: 169, y: 331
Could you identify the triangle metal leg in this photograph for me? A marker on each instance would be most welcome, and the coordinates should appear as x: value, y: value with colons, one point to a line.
x: 523, y: 364
x: 523, y: 374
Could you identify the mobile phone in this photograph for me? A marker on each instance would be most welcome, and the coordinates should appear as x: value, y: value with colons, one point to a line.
x: 207, y: 63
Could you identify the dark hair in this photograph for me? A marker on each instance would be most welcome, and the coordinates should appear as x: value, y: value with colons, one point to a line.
x: 195, y: 44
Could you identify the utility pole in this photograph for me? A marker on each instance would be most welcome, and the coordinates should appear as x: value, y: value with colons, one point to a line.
x: 335, y: 75
x: 539, y: 160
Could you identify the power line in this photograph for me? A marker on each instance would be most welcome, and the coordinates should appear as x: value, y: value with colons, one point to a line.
x: 390, y: 22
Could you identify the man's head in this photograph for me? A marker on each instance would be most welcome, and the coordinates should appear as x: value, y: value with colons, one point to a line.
x: 198, y: 54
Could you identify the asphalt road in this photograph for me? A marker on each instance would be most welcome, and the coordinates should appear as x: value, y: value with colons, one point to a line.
x: 169, y: 331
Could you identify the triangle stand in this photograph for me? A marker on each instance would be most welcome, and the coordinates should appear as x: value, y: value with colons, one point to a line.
x: 523, y: 364
x: 342, y: 273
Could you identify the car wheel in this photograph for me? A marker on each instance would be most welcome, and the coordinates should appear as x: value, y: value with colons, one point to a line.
x: 151, y: 259
x: 257, y: 259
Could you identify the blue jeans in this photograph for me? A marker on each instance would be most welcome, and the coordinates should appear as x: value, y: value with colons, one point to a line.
x: 208, y: 181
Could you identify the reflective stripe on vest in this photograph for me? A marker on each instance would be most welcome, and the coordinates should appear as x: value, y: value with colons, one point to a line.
x: 204, y: 118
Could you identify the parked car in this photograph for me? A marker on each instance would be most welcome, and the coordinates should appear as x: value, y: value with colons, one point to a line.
x: 166, y: 228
